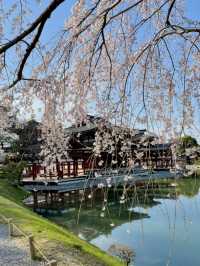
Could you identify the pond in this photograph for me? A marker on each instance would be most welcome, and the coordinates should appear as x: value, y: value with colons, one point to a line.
x: 160, y: 225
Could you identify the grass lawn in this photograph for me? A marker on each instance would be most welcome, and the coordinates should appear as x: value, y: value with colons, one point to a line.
x: 46, y: 232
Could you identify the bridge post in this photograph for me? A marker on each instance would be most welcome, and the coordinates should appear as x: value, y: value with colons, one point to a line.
x: 35, y: 200
x: 62, y: 196
x: 93, y: 197
x: 68, y: 169
x: 76, y: 197
x: 51, y: 197
x: 46, y: 199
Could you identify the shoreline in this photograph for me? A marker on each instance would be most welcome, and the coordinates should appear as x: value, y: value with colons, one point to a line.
x: 57, y: 242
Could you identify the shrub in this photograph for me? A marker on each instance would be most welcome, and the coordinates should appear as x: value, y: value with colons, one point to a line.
x: 12, y: 171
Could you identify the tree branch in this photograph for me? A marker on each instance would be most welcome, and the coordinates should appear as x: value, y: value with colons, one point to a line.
x: 169, y: 13
x: 44, y: 16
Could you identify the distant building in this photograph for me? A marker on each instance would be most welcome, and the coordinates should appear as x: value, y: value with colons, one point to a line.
x: 81, y: 157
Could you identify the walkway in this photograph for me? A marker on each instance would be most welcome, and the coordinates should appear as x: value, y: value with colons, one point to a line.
x: 14, y: 251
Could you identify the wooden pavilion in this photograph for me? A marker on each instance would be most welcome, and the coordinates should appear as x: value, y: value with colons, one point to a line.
x: 80, y: 150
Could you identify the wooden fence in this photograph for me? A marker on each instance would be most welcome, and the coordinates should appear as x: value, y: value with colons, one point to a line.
x: 35, y: 250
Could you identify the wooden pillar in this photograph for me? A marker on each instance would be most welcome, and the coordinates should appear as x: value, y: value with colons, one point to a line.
x: 83, y: 166
x: 68, y: 168
x: 74, y: 168
x: 156, y: 161
x: 51, y: 197
x: 46, y: 199
x: 10, y: 228
x: 31, y: 247
x: 34, y: 171
x: 35, y: 200
x: 69, y: 197
x: 62, y: 195
x: 76, y: 198
x: 50, y: 174
x: 62, y: 170
x: 93, y: 197
x: 57, y: 166
x: 37, y: 168
x: 30, y: 171
x: 59, y: 169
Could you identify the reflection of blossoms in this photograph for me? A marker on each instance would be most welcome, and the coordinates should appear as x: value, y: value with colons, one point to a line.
x: 122, y: 199
x: 102, y: 215
x: 100, y: 185
x: 108, y: 180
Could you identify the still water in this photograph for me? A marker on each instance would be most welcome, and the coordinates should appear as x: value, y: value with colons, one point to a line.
x: 161, y: 226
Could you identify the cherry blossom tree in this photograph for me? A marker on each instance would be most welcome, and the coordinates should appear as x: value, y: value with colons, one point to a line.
x: 131, y: 62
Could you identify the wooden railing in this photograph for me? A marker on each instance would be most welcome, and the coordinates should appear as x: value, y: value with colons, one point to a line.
x: 35, y: 250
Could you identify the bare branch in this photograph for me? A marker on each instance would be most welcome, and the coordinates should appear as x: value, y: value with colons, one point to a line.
x: 169, y: 13
x: 43, y: 17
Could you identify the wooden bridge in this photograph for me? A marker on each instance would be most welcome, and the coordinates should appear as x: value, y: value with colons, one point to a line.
x: 81, y: 183
x: 60, y: 187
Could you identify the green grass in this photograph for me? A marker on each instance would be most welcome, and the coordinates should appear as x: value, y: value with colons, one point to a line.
x: 42, y: 229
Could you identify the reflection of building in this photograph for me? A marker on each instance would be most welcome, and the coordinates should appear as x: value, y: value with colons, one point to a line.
x: 91, y: 221
x: 81, y: 149
x: 91, y: 224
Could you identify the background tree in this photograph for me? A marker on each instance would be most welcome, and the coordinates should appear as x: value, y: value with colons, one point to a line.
x: 28, y: 143
x: 186, y: 142
x: 12, y: 171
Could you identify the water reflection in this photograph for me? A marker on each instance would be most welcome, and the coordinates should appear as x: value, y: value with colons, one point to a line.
x: 160, y: 224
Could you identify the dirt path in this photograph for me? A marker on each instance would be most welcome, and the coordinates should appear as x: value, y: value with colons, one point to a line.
x: 14, y: 251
